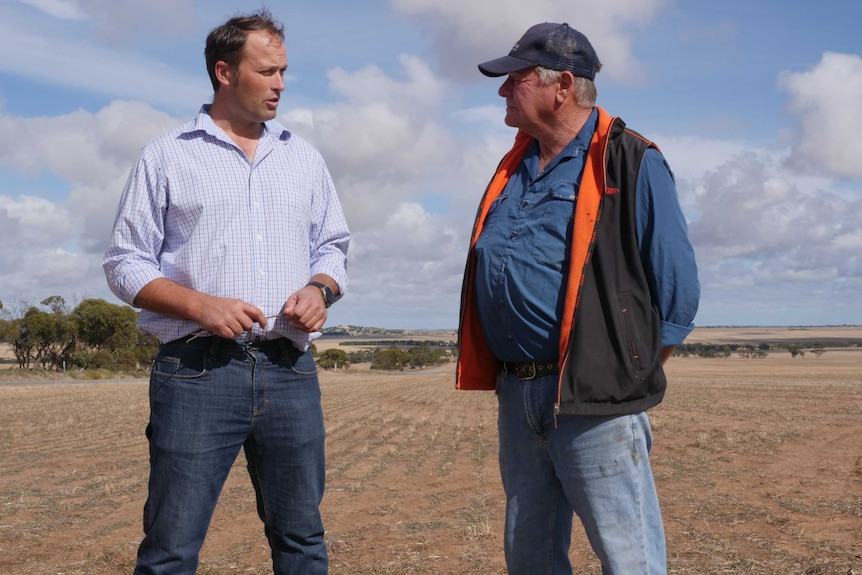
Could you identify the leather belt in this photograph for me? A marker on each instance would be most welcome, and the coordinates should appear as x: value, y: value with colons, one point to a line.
x: 216, y: 344
x: 531, y: 370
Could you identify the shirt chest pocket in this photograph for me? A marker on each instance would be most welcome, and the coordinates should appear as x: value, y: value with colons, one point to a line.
x: 557, y: 209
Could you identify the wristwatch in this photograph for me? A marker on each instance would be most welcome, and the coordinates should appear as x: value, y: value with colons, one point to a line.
x: 329, y: 298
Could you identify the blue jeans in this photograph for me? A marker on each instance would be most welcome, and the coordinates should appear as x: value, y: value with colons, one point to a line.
x: 209, y: 398
x: 597, y: 467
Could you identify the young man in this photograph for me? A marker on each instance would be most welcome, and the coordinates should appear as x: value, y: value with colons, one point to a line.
x: 230, y: 237
x: 580, y: 281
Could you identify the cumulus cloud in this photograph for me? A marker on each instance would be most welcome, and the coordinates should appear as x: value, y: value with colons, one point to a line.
x: 39, y: 258
x: 382, y: 140
x: 484, y: 29
x: 760, y: 237
x: 410, y: 160
x: 826, y: 100
x: 412, y: 261
x: 58, y: 60
x: 62, y: 9
x: 388, y: 149
x: 53, y: 244
x: 118, y: 21
x: 121, y: 21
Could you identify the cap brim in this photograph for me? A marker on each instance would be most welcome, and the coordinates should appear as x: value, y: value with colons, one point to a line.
x: 504, y: 65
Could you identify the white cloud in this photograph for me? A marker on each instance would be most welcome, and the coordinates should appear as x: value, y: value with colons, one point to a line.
x: 827, y: 100
x: 383, y: 141
x: 411, y: 158
x: 63, y: 62
x: 33, y: 221
x: 120, y: 21
x: 35, y: 261
x: 760, y: 237
x: 52, y: 245
x: 467, y: 33
x: 412, y: 262
x: 62, y: 9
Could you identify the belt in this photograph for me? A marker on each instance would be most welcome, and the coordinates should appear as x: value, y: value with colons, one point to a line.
x: 259, y: 344
x: 530, y: 369
x: 216, y: 343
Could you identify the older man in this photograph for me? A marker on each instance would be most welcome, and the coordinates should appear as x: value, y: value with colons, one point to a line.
x: 580, y: 281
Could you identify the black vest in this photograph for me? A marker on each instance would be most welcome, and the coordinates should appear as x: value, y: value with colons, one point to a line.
x: 614, y: 364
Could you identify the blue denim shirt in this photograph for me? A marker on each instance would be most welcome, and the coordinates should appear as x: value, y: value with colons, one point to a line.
x: 522, y: 252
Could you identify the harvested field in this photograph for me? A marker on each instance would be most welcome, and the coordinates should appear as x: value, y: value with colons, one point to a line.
x: 758, y: 463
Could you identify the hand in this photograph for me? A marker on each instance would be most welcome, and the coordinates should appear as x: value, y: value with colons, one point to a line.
x: 221, y: 316
x: 229, y: 317
x: 305, y: 309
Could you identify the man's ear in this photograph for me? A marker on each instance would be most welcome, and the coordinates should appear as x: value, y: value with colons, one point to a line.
x: 567, y: 85
x: 224, y: 73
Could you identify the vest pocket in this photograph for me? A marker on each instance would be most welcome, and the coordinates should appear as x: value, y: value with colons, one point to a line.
x: 635, y: 347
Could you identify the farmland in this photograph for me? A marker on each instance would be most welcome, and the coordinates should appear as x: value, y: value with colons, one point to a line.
x: 758, y: 464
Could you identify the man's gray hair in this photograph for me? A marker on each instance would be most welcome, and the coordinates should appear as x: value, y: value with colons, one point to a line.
x: 585, y: 89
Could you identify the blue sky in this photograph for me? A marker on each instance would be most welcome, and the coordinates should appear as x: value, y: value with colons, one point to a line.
x: 756, y: 105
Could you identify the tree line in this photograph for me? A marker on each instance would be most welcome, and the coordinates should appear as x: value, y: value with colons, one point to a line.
x: 99, y: 335
x: 755, y: 351
x: 390, y: 359
x: 95, y: 334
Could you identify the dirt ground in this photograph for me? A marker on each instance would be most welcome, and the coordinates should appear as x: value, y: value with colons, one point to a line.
x: 758, y: 464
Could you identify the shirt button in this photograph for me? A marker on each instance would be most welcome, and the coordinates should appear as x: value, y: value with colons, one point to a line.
x: 259, y: 237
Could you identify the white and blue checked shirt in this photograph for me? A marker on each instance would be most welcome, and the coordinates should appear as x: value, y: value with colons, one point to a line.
x: 195, y: 211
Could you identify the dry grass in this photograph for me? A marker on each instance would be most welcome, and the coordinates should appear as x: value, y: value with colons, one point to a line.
x: 758, y: 463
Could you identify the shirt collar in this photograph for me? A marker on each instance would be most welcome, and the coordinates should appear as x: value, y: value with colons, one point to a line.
x: 203, y: 122
x: 573, y: 149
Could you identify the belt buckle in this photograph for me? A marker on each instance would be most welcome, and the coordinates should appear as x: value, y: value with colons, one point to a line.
x: 527, y: 374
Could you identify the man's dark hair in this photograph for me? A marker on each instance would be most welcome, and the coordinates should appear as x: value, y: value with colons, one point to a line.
x: 226, y: 42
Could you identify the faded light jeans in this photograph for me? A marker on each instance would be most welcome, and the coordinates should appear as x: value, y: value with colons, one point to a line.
x: 596, y: 467
x: 209, y: 398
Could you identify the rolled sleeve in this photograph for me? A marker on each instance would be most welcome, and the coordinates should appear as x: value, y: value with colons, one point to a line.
x: 131, y: 260
x: 330, y: 236
x: 666, y: 251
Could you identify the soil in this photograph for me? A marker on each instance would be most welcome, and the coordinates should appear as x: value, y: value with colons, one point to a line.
x: 758, y: 463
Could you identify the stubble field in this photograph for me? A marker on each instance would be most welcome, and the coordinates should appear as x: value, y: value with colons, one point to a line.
x: 758, y: 464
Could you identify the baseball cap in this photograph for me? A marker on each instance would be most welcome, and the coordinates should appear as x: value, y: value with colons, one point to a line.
x: 553, y: 46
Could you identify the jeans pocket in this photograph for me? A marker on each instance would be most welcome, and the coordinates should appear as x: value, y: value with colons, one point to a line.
x: 175, y: 364
x: 299, y: 362
x: 180, y: 367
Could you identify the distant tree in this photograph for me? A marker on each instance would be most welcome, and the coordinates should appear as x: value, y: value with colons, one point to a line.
x: 392, y: 359
x: 361, y: 356
x: 333, y: 359
x: 103, y: 325
x: 42, y: 331
x: 424, y: 355
x: 56, y: 304
x: 17, y: 335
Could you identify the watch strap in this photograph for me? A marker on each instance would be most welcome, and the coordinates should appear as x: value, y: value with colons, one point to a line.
x: 328, y: 297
